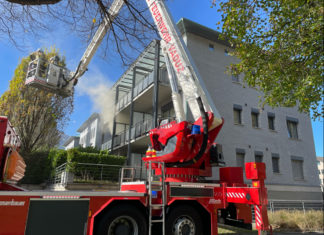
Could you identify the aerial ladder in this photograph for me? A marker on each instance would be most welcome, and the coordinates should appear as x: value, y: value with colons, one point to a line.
x: 185, y: 152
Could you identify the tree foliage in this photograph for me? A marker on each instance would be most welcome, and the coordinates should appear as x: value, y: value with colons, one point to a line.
x: 280, y: 49
x: 132, y: 29
x: 37, y: 115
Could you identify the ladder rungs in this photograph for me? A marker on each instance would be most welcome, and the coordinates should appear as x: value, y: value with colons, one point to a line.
x: 157, y: 221
x: 156, y: 205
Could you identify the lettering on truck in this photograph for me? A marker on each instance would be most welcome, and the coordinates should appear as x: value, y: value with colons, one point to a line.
x: 166, y: 36
x: 12, y: 203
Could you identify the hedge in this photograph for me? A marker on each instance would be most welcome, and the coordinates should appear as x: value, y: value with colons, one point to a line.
x: 82, y: 155
x: 41, y: 164
x: 38, y: 169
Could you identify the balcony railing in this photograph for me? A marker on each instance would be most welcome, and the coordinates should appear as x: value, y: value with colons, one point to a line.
x: 122, y: 138
x: 140, y: 87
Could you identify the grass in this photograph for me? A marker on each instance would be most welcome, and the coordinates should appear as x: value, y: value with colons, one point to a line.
x: 224, y: 229
x: 285, y: 220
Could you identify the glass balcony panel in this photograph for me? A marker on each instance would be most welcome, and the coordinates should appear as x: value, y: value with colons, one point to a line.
x: 129, y: 97
x: 133, y: 133
x: 117, y: 141
x: 140, y: 87
x: 151, y: 79
x: 135, y: 91
x: 145, y: 82
x: 127, y: 135
x: 138, y: 130
x: 122, y: 138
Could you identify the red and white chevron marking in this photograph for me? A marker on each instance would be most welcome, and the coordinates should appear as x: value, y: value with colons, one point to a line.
x: 258, y: 220
x: 235, y: 195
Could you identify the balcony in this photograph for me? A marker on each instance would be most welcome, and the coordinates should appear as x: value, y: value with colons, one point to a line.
x: 144, y: 85
x: 140, y: 129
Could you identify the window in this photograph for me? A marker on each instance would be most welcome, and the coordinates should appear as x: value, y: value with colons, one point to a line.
x: 255, y: 118
x: 240, y: 154
x: 297, y: 168
x: 271, y: 120
x: 258, y: 156
x: 275, y: 163
x: 211, y: 47
x: 235, y: 76
x: 237, y: 111
x: 292, y: 124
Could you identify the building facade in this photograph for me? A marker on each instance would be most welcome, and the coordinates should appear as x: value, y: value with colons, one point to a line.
x: 91, y: 132
x: 320, y: 166
x: 282, y: 138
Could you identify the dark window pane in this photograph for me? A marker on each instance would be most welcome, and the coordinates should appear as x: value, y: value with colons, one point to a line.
x: 271, y: 123
x: 255, y: 121
x: 297, y: 167
x: 258, y: 158
x: 292, y: 129
x: 240, y: 159
x: 275, y: 164
x: 237, y: 116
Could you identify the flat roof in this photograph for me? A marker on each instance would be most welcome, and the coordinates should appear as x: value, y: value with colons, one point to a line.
x: 92, y: 117
x: 188, y: 26
x: 69, y: 140
x: 144, y: 64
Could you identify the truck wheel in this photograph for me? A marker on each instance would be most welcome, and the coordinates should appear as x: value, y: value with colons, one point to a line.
x: 184, y: 220
x: 123, y: 220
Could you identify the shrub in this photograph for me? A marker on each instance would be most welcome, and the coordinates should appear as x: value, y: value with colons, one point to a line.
x: 297, y: 220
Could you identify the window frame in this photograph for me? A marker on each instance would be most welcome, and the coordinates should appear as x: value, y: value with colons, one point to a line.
x: 272, y: 117
x: 295, y: 160
x: 238, y: 109
x: 292, y: 128
x: 255, y: 113
x: 258, y: 154
x: 275, y: 156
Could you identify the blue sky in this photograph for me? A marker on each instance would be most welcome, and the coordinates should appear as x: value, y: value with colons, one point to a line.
x: 106, y: 70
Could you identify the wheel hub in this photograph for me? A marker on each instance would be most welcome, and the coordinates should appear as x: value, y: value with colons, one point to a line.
x: 184, y: 226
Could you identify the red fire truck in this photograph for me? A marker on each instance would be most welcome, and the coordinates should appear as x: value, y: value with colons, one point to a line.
x: 175, y: 197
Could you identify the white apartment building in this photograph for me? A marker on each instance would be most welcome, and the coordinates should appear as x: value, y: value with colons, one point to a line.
x: 281, y: 137
x: 91, y: 132
x: 71, y: 142
x: 320, y: 167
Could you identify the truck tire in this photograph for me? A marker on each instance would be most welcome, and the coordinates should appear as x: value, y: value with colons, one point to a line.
x: 123, y: 220
x: 184, y: 220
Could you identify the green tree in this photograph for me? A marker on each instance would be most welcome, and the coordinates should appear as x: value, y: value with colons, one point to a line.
x: 279, y: 44
x: 37, y: 115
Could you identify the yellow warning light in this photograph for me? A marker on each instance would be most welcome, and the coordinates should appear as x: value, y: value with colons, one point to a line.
x: 90, y: 213
x: 255, y: 184
x: 254, y: 165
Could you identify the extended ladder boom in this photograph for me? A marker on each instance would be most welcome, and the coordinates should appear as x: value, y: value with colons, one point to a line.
x: 98, y: 37
x: 187, y: 74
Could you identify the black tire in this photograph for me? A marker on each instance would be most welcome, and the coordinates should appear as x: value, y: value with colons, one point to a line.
x: 184, y: 218
x: 122, y: 220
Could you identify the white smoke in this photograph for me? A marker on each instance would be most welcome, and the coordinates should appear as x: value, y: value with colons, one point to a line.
x: 98, y: 88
